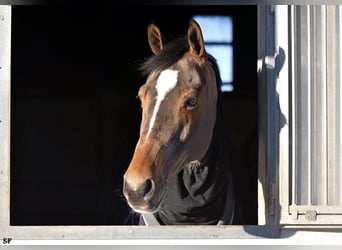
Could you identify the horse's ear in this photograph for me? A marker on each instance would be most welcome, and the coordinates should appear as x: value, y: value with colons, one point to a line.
x: 196, y: 43
x: 155, y: 38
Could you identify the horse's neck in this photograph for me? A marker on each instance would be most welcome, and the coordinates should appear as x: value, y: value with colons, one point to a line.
x: 199, y: 192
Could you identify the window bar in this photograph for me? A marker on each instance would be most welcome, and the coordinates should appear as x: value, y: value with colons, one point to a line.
x: 318, y: 105
x: 334, y: 101
x: 309, y: 123
x: 302, y: 108
x: 337, y: 102
x: 293, y: 104
x: 339, y: 106
x: 331, y: 104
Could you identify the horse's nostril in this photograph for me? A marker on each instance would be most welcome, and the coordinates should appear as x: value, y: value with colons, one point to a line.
x: 144, y: 191
x: 149, y: 186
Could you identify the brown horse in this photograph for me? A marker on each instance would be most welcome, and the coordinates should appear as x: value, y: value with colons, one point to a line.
x: 179, y: 172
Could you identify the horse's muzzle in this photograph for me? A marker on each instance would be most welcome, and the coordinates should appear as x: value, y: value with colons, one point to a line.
x: 141, y: 198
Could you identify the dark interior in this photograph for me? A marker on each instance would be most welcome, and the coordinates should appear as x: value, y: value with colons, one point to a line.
x: 75, y: 117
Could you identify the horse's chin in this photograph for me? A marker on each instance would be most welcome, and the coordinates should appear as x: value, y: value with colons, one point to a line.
x: 149, y: 210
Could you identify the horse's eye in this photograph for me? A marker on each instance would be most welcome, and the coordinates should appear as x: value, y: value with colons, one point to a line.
x: 190, y: 102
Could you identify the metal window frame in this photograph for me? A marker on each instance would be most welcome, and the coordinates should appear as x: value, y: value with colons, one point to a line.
x: 268, y: 160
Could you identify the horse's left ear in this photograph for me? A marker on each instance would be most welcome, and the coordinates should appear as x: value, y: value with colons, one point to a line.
x: 155, y: 38
x: 196, y: 43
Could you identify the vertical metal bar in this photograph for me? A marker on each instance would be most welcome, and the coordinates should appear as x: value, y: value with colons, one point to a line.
x: 324, y: 146
x: 302, y: 106
x: 332, y: 98
x: 309, y: 124
x: 282, y: 86
x: 5, y: 93
x: 335, y: 159
x: 292, y: 106
x: 262, y: 12
x: 338, y: 104
x: 266, y: 106
x: 338, y: 158
x: 268, y: 118
x: 318, y: 105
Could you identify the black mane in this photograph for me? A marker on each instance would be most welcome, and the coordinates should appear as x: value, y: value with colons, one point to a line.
x: 170, y: 54
x: 214, y: 65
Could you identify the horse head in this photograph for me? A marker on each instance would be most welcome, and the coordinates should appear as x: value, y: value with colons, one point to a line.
x: 178, y: 103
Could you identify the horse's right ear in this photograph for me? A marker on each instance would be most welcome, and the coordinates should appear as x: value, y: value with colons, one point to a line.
x: 155, y: 38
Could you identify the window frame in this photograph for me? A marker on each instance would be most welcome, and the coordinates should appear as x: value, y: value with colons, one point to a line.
x: 273, y: 100
x: 122, y: 233
x: 227, y: 44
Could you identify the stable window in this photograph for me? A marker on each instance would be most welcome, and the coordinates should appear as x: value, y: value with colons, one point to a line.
x: 299, y: 135
x: 218, y: 39
x: 47, y: 102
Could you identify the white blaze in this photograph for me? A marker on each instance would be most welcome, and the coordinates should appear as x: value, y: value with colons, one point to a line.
x: 166, y: 81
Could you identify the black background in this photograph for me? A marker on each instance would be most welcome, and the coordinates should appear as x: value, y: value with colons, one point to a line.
x: 75, y: 119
